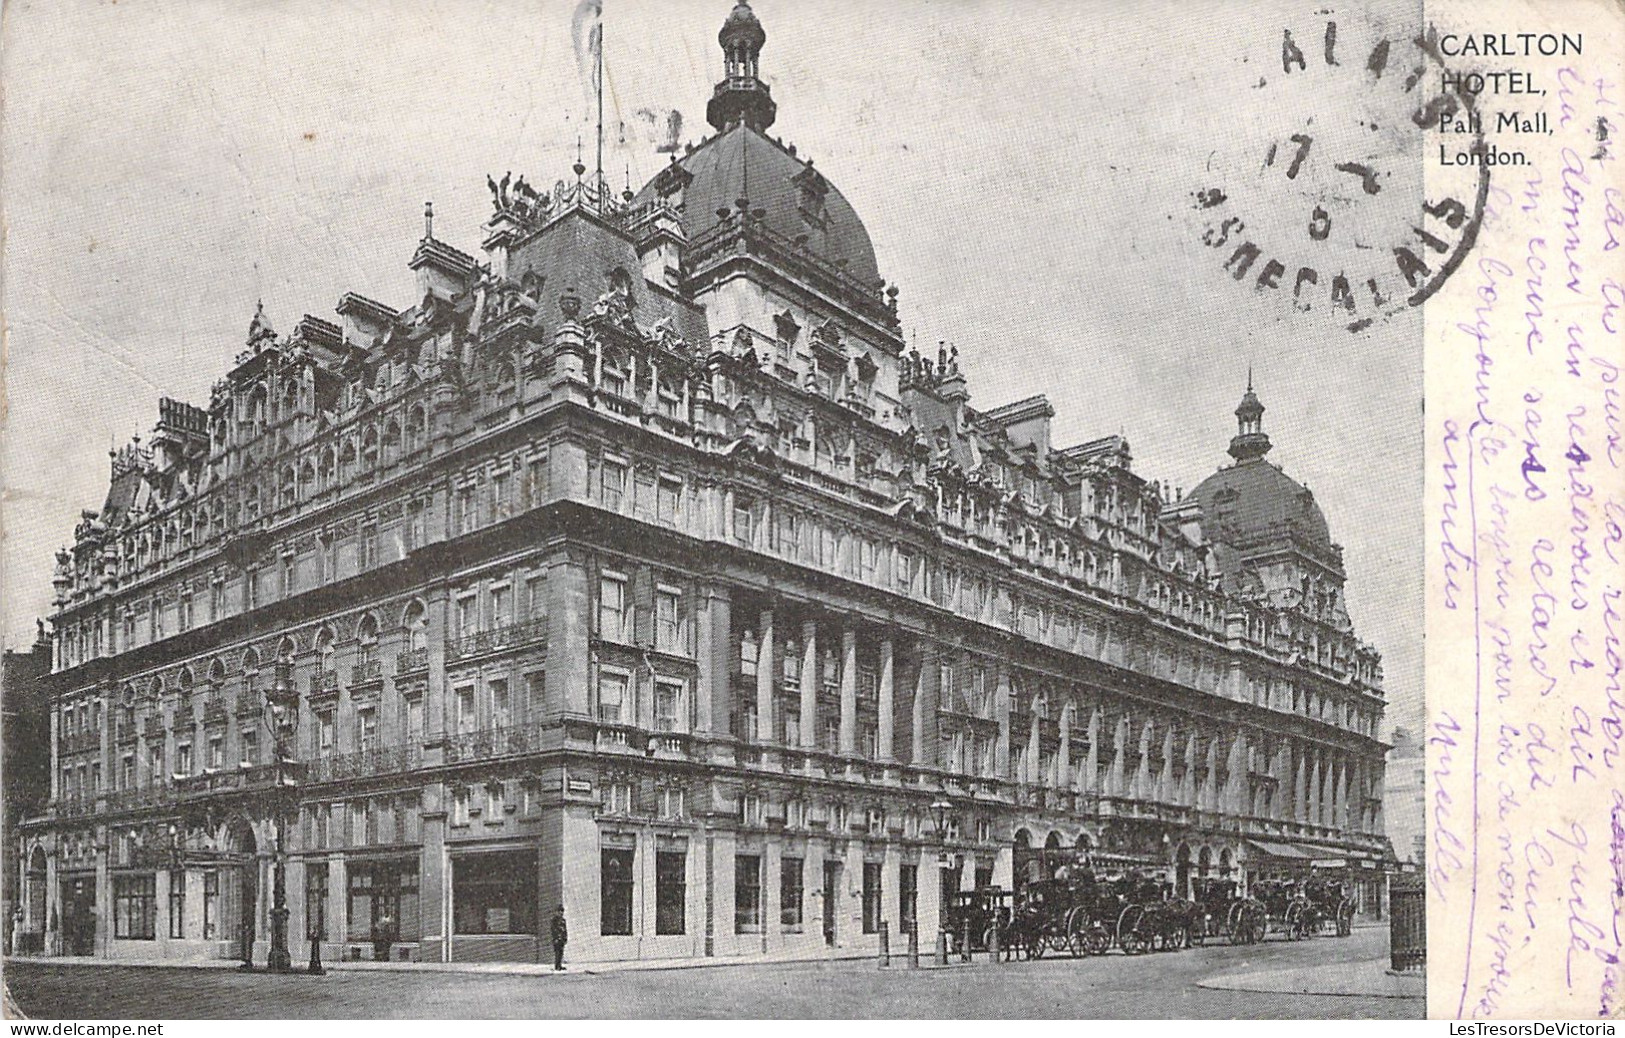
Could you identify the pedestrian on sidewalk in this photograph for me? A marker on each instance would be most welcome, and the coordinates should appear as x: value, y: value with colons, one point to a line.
x: 561, y: 934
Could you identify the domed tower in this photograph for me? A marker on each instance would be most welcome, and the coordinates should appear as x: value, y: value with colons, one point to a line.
x: 1269, y: 535
x: 741, y: 96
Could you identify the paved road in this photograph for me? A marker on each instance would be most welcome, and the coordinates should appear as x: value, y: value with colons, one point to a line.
x: 1115, y: 986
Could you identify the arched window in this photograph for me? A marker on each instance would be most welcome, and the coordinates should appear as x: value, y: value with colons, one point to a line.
x: 392, y: 441
x: 325, y: 470
x: 251, y: 501
x: 290, y: 399
x: 324, y: 653
x: 217, y: 671
x: 307, y: 477
x: 415, y: 622
x: 366, y: 636
x: 347, y: 458
x: 251, y: 661
x: 369, y: 448
x: 285, y: 649
x: 287, y: 488
x: 183, y: 681
x: 416, y: 429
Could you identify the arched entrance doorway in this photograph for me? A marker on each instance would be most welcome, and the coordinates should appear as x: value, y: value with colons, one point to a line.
x: 1182, y: 871
x: 237, y: 880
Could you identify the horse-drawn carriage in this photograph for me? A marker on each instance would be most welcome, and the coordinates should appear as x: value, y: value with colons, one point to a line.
x: 1225, y: 913
x: 1152, y: 919
x: 976, y: 913
x: 1287, y: 907
x: 1329, y: 904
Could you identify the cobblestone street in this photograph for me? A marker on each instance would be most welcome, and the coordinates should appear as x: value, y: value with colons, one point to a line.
x: 1165, y: 986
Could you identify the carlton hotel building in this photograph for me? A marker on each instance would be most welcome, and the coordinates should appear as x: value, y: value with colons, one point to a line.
x: 635, y: 566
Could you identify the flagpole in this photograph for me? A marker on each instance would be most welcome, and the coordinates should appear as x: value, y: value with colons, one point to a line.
x: 600, y: 78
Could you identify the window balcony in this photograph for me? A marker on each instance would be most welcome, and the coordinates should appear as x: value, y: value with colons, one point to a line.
x: 324, y: 681
x: 380, y: 760
x: 365, y: 671
x: 411, y: 661
x: 497, y: 639
x: 491, y: 743
x: 235, y: 780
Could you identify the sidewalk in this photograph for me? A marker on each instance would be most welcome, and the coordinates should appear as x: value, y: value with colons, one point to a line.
x: 1369, y: 978
x: 898, y: 962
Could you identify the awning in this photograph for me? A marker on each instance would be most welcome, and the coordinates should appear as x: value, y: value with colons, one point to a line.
x: 1281, y: 850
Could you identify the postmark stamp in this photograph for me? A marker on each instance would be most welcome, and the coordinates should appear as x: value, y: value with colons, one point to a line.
x: 1331, y: 202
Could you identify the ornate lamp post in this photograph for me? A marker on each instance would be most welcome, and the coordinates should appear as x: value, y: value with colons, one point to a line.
x: 939, y: 818
x: 283, y: 700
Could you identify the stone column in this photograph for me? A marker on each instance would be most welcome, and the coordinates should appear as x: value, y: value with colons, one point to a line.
x: 764, y: 680
x: 714, y: 701
x: 887, y: 703
x: 1063, y: 758
x: 809, y: 685
x: 849, y: 690
x: 919, y: 714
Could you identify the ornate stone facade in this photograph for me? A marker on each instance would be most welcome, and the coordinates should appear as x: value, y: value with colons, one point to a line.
x: 636, y: 567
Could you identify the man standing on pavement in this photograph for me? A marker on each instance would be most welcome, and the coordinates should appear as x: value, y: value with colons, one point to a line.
x: 561, y: 934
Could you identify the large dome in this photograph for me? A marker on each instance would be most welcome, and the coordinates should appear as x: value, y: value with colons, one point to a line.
x: 796, y: 200
x: 1253, y: 501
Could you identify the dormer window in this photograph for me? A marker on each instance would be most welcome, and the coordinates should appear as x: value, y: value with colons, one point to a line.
x: 813, y: 189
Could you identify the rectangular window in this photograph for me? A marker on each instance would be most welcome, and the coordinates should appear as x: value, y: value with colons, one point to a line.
x: 536, y: 597
x: 668, y: 620
x: 669, y: 706
x: 744, y: 522
x: 612, y: 608
x: 249, y: 744
x: 459, y: 807
x: 614, y: 484
x: 615, y: 895
x: 611, y: 698
x: 501, y: 606
x: 325, y: 733
x: 217, y: 752
x: 211, y: 905
x: 366, y: 723
x: 495, y: 893
x: 790, y: 892
x: 177, y: 904
x: 908, y: 885
x: 500, y: 499
x: 747, y: 893
x: 183, y: 758
x: 383, y: 901
x: 414, y: 723
x: 369, y: 546
x: 135, y: 907
x: 671, y: 892
x: 468, y: 616
x: 465, y: 710
x: 668, y: 497
x: 871, y: 896
x: 500, y: 711
x: 467, y: 511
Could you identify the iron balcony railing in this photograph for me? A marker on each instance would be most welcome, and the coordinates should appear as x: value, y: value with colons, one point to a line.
x: 412, y: 661
x: 367, y: 670
x: 497, y: 639
x: 380, y: 760
x: 490, y: 743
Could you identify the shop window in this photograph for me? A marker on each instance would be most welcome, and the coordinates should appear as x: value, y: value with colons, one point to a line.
x: 135, y: 907
x: 495, y: 893
x: 615, y: 895
x: 790, y: 893
x: 671, y: 891
x: 383, y: 900
x: 747, y: 893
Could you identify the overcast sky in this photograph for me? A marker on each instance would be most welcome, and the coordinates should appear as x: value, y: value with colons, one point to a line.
x: 1026, y: 172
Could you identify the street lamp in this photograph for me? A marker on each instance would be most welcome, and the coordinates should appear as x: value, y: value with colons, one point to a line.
x: 939, y: 818
x: 283, y: 700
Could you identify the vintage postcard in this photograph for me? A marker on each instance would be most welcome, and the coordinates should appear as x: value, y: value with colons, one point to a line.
x: 754, y: 508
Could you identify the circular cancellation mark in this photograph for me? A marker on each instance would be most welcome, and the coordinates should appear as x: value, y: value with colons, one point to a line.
x: 1328, y: 203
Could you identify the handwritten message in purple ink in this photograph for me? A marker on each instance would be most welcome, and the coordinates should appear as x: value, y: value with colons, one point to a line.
x: 1525, y: 798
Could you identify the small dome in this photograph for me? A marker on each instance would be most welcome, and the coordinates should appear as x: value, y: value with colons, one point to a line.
x: 742, y: 27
